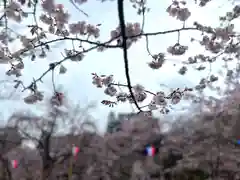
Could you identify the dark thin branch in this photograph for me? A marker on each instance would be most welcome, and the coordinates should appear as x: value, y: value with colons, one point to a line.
x: 124, y: 46
x: 143, y: 17
x: 53, y: 81
x: 28, y: 136
x: 80, y: 40
x: 2, y: 17
x: 147, y: 47
x: 115, y: 46
x: 106, y: 45
x: 5, y: 15
x: 36, y: 22
x: 60, y: 62
x: 178, y: 38
x: 72, y: 2
x: 165, y: 32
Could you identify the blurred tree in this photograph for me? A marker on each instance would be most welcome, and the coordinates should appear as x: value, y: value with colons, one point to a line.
x: 113, y: 123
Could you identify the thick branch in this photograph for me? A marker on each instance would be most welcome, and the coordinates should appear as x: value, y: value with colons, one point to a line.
x: 124, y: 46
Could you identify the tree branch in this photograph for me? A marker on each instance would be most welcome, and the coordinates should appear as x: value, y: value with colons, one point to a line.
x: 124, y: 46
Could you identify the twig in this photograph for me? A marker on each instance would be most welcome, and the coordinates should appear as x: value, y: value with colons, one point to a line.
x: 164, y: 32
x: 36, y: 22
x: 53, y: 82
x: 71, y: 1
x: 106, y: 45
x: 53, y: 65
x: 147, y: 47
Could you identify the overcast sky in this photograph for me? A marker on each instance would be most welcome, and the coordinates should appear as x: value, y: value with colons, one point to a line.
x: 77, y: 81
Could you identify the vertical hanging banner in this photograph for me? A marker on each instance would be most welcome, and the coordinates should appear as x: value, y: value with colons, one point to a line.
x: 75, y: 151
x: 150, y: 151
x: 14, y: 164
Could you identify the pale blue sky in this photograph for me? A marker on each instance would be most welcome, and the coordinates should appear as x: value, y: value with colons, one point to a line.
x: 77, y: 81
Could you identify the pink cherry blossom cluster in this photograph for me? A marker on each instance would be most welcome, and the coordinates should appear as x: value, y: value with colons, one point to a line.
x: 177, y: 9
x: 133, y: 30
x: 159, y: 99
x: 83, y: 28
x: 57, y: 19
